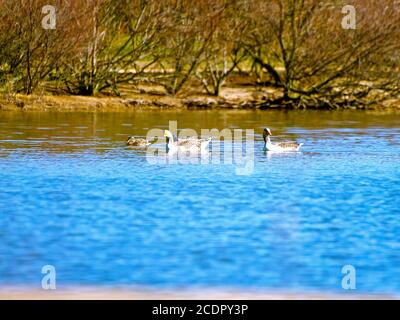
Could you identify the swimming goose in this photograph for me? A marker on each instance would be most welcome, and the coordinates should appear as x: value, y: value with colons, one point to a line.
x: 137, y: 142
x: 186, y: 144
x: 279, y: 147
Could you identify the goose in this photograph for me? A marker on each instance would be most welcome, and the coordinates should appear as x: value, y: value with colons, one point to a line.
x: 186, y: 144
x: 137, y: 142
x: 279, y: 147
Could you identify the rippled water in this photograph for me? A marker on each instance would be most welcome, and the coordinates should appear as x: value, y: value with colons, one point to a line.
x: 74, y: 196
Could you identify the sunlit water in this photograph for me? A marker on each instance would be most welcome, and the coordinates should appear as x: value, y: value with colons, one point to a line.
x: 72, y: 195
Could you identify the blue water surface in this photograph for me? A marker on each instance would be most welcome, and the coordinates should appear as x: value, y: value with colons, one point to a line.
x: 72, y: 195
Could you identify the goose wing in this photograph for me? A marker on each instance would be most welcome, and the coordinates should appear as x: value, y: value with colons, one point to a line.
x: 137, y: 142
x: 288, y: 145
x: 189, y: 143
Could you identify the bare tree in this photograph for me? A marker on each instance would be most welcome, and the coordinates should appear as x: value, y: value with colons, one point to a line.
x: 300, y: 44
x: 34, y: 52
x: 120, y: 46
x: 303, y: 47
x: 224, y: 53
x: 189, y: 29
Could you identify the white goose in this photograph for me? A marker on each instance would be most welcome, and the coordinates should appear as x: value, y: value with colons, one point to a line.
x: 279, y: 147
x: 185, y: 145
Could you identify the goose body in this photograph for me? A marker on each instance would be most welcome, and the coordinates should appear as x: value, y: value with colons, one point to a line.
x: 186, y: 144
x: 279, y: 147
x: 137, y: 142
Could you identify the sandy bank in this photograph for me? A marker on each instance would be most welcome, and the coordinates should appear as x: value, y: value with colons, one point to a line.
x: 239, y: 98
x: 101, y: 293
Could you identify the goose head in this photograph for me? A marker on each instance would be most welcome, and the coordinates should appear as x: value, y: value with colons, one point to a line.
x: 169, y: 136
x: 266, y: 133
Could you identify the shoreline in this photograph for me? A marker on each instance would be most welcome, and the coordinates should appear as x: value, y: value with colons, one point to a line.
x: 122, y: 293
x: 237, y: 101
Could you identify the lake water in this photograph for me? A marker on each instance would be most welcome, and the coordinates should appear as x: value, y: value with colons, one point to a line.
x: 72, y: 195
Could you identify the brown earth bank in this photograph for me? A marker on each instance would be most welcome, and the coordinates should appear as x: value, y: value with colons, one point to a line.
x: 231, y: 98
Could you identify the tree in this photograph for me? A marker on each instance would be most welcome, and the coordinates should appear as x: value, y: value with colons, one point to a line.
x: 224, y: 53
x: 303, y: 47
x: 189, y: 29
x: 119, y: 48
x: 30, y: 52
x: 300, y: 45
